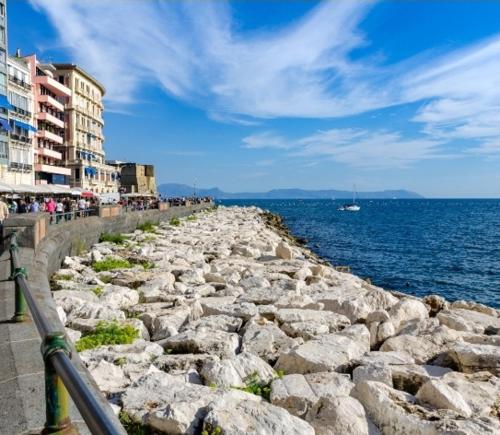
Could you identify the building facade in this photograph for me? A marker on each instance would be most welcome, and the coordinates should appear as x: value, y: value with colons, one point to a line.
x: 84, y: 153
x: 4, y: 103
x: 136, y: 178
x: 22, y: 130
x: 50, y: 97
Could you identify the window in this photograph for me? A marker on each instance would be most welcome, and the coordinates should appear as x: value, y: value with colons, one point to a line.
x: 77, y: 174
x: 2, y: 34
x: 2, y: 10
x: 61, y: 80
x: 4, y: 150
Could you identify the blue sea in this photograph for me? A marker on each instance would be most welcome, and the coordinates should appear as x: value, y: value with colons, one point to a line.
x: 419, y: 246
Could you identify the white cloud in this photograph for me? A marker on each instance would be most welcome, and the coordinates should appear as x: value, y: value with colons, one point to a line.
x: 355, y: 147
x: 196, y: 53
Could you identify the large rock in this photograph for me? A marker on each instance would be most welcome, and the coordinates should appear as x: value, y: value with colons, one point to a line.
x: 284, y: 251
x: 468, y: 320
x: 169, y: 323
x: 266, y: 340
x: 92, y: 310
x: 220, y: 343
x: 167, y: 404
x: 139, y: 352
x: 182, y: 363
x: 442, y: 396
x: 339, y: 415
x: 109, y: 377
x: 407, y: 310
x: 299, y: 393
x: 118, y: 298
x: 410, y: 377
x: 330, y: 352
x: 216, y: 322
x: 310, y: 323
x: 373, y: 372
x: 240, y: 413
x: 236, y: 371
x: 472, y: 358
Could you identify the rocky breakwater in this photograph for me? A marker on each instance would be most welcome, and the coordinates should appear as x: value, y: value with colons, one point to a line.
x: 230, y: 327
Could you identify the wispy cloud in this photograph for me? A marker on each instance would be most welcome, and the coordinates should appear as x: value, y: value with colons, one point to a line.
x: 195, y: 52
x: 355, y: 147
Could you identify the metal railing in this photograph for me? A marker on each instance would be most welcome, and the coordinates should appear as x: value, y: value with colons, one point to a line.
x: 60, y: 217
x: 61, y: 375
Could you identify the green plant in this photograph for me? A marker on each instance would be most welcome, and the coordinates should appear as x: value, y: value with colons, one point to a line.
x: 106, y: 279
x: 107, y: 333
x: 120, y: 361
x: 118, y: 239
x: 149, y: 238
x: 147, y: 227
x: 62, y: 277
x: 97, y: 291
x: 111, y: 263
x: 148, y: 264
x: 280, y: 374
x: 254, y: 385
x: 209, y: 430
x: 175, y: 222
x: 131, y: 426
x: 191, y: 218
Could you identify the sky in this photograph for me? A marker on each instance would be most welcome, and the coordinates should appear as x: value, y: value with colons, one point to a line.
x: 259, y: 95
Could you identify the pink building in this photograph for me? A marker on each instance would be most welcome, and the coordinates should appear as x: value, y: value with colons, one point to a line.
x: 50, y: 97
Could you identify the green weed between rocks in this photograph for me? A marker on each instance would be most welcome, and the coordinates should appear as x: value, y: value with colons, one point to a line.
x: 209, y: 430
x: 191, y: 218
x: 147, y: 227
x: 61, y: 277
x: 133, y: 427
x: 79, y: 247
x: 111, y: 263
x: 118, y: 239
x: 106, y: 279
x: 148, y: 264
x: 107, y: 333
x: 254, y: 385
x: 175, y: 222
x: 149, y: 238
x: 98, y: 291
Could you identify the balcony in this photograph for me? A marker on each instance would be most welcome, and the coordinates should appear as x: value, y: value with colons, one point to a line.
x: 47, y: 99
x: 45, y: 116
x: 48, y: 153
x: 52, y: 169
x: 44, y: 134
x: 19, y: 82
x: 20, y: 167
x: 24, y: 139
x: 53, y: 85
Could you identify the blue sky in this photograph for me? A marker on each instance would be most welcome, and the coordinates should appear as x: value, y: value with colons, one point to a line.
x: 255, y: 95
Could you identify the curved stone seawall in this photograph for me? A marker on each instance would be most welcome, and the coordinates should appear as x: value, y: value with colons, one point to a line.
x: 43, y: 247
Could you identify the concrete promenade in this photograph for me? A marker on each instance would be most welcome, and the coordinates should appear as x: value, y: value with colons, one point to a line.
x: 42, y: 249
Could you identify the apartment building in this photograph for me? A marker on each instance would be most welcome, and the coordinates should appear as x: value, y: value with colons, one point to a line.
x: 4, y: 102
x: 50, y: 97
x: 22, y: 130
x: 85, y: 155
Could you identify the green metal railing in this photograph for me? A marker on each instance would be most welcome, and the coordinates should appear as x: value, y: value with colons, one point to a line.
x: 61, y: 375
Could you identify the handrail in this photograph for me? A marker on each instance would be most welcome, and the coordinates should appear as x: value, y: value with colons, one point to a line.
x: 58, y: 365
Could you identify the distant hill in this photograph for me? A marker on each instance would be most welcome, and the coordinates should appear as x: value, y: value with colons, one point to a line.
x: 175, y: 190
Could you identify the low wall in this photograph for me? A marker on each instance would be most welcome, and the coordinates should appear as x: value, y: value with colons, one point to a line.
x: 42, y: 250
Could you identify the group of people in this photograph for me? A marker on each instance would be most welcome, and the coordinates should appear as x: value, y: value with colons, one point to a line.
x: 58, y: 207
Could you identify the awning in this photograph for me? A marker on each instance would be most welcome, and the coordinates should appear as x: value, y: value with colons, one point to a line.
x: 5, y: 124
x: 24, y: 125
x: 23, y: 188
x: 5, y: 188
x: 4, y: 103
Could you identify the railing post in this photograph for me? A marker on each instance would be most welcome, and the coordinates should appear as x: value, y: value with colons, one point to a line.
x: 20, y: 301
x: 57, y: 420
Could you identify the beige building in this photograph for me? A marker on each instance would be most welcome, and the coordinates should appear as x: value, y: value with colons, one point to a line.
x: 136, y: 178
x: 22, y: 130
x: 84, y: 153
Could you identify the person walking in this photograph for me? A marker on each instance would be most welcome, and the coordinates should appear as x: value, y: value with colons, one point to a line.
x: 51, y: 208
x: 59, y: 210
x: 4, y: 214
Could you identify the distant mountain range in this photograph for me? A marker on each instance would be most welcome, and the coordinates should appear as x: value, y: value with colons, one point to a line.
x: 177, y: 190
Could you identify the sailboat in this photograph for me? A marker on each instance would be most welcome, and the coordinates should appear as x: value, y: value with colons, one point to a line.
x: 351, y: 206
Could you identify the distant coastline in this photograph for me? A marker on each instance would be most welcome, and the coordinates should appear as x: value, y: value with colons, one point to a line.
x: 179, y: 190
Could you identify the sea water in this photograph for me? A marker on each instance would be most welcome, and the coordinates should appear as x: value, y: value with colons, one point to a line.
x: 419, y: 246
